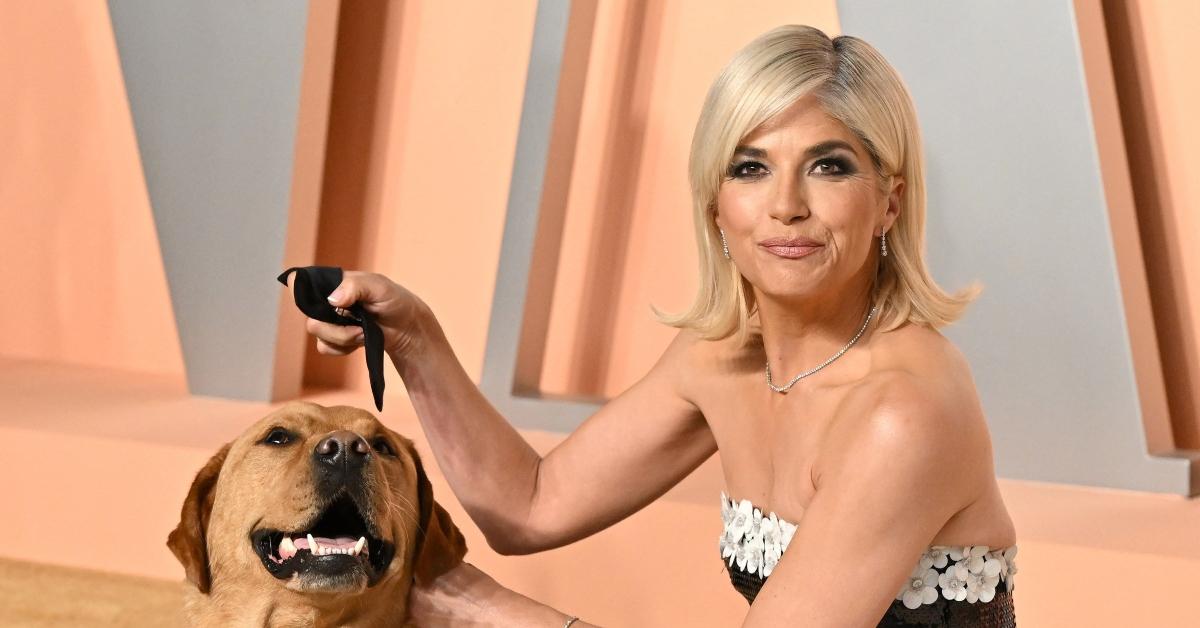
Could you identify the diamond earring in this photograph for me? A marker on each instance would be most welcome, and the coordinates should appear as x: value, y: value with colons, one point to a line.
x: 724, y: 244
x: 883, y: 242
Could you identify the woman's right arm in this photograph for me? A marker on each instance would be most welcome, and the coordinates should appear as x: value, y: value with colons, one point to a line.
x: 631, y: 451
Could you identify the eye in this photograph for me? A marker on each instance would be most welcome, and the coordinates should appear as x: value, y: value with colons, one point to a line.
x: 278, y: 436
x: 747, y: 170
x: 832, y: 166
x: 383, y: 446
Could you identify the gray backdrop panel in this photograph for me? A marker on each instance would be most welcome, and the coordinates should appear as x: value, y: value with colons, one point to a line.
x: 214, y: 89
x: 1016, y: 199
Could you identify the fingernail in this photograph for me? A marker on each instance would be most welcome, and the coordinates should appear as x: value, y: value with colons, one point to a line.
x: 335, y: 296
x: 359, y: 337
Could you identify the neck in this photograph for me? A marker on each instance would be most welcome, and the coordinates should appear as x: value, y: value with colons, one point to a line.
x: 800, y: 334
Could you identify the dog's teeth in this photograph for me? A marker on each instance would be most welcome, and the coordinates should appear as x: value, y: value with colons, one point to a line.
x: 359, y: 545
x: 286, y: 545
x: 313, y: 547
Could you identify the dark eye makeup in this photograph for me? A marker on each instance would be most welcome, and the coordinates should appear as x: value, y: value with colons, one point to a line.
x: 736, y: 171
x: 838, y: 166
x: 828, y: 166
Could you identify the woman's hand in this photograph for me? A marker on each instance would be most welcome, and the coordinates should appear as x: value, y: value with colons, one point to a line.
x: 401, y: 315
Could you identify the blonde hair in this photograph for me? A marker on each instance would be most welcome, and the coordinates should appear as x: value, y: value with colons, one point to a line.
x: 855, y: 85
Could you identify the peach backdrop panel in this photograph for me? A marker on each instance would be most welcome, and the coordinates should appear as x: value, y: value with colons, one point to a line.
x: 426, y: 180
x: 1154, y: 54
x: 77, y: 238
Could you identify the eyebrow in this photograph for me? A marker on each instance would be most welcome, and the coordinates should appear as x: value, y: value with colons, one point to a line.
x: 812, y: 151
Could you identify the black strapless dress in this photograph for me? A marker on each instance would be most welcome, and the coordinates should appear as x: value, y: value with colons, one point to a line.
x: 950, y: 587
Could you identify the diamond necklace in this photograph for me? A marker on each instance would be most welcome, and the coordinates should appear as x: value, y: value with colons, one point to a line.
x: 785, y: 387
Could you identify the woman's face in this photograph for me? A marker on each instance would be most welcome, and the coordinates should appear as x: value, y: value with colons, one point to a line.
x: 803, y: 175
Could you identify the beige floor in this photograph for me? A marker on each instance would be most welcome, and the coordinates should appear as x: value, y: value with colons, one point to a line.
x: 34, y: 595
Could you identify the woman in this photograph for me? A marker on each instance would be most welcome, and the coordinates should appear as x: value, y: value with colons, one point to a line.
x: 851, y: 436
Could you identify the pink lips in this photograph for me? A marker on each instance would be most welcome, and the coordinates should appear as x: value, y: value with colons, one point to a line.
x: 791, y: 248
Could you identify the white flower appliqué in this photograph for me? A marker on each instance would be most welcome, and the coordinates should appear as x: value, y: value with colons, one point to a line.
x: 1008, y: 566
x: 755, y: 543
x: 935, y: 557
x: 772, y: 538
x: 920, y: 588
x: 952, y: 587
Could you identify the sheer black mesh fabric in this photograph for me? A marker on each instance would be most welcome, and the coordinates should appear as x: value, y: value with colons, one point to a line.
x: 998, y: 613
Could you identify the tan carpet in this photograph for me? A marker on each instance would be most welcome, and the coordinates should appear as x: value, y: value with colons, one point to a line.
x: 39, y: 595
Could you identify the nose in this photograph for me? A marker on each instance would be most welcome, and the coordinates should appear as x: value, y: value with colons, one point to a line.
x: 342, y: 448
x: 790, y: 200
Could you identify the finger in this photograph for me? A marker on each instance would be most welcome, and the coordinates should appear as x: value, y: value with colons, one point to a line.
x: 325, y: 348
x: 358, y: 287
x: 337, y: 335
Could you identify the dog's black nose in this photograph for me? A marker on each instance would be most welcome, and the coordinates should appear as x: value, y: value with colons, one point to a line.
x: 342, y: 448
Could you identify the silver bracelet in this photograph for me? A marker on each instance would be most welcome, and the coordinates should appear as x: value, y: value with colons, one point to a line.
x: 570, y: 621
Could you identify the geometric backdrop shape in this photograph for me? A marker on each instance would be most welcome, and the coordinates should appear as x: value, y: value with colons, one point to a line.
x: 214, y: 90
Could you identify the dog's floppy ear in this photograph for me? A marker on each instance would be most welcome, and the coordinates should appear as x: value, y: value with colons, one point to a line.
x: 187, y: 540
x: 440, y: 544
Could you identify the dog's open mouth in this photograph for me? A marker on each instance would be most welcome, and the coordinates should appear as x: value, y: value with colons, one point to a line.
x: 338, y: 545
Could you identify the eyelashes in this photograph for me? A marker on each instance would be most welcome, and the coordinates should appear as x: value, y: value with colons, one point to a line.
x: 838, y: 166
x: 828, y: 166
x: 736, y: 170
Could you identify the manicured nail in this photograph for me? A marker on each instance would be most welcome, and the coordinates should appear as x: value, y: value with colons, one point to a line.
x: 335, y: 296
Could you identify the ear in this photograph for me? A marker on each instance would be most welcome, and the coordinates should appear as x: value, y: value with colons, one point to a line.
x: 440, y: 544
x: 896, y: 196
x: 187, y: 540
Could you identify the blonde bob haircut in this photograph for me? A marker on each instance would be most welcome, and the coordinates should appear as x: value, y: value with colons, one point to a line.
x: 856, y: 86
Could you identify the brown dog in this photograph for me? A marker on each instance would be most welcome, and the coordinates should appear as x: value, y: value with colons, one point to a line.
x: 314, y: 516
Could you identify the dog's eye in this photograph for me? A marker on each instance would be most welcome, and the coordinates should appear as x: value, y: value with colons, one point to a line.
x: 382, y: 446
x: 278, y: 436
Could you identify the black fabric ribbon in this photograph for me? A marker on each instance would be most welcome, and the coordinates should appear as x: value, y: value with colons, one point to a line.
x: 312, y: 288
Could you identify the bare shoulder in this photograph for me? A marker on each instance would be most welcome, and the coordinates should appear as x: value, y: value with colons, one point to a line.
x: 677, y: 367
x: 680, y: 357
x: 696, y: 363
x: 920, y: 405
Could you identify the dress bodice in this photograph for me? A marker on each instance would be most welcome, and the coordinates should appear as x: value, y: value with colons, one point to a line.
x: 949, y: 585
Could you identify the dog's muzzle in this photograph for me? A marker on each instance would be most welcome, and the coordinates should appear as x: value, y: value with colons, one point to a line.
x: 340, y: 541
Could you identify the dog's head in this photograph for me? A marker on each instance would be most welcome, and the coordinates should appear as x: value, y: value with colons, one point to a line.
x: 314, y: 500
